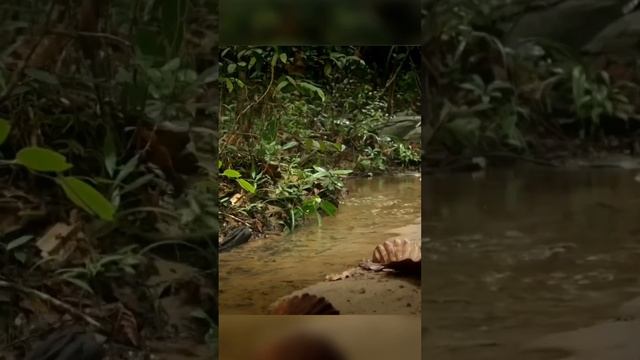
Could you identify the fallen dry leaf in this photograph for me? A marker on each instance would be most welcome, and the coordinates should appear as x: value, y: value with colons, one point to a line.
x: 53, y: 238
x: 341, y: 276
x: 370, y: 265
x: 236, y: 198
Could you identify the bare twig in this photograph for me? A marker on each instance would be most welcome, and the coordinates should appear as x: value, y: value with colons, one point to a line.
x: 395, y: 73
x: 237, y: 219
x: 273, y: 70
x: 75, y: 34
x: 52, y: 300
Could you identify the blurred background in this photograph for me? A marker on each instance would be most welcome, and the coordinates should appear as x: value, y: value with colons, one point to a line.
x: 251, y: 22
x: 370, y: 337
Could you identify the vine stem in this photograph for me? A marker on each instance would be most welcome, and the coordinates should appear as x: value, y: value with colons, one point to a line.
x: 52, y: 300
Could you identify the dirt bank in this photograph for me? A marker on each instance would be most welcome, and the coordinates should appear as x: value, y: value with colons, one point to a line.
x: 612, y: 340
x: 367, y: 292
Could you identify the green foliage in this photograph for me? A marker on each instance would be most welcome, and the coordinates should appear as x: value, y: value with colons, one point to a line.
x: 82, y: 194
x: 39, y: 159
x: 484, y: 96
x: 235, y: 175
x: 299, y: 120
x: 86, y: 197
x: 84, y: 277
x: 94, y: 110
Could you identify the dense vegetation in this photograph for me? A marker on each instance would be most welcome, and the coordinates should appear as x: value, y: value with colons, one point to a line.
x: 107, y: 171
x: 489, y: 93
x: 297, y: 121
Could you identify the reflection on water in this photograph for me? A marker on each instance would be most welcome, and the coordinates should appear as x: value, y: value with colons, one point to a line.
x: 520, y: 253
x: 254, y: 275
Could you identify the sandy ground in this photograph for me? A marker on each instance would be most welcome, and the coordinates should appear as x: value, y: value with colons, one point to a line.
x: 367, y: 292
x: 613, y: 340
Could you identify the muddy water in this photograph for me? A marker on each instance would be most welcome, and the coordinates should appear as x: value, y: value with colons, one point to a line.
x: 514, y: 255
x: 256, y: 274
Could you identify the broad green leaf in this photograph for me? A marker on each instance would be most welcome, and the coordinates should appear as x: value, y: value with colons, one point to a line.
x: 283, y: 58
x: 40, y: 159
x: 5, y: 128
x: 209, y: 75
x: 281, y: 85
x: 137, y: 183
x: 231, y: 68
x: 246, y: 185
x: 127, y: 169
x: 86, y: 197
x: 42, y: 76
x: 232, y: 174
x: 328, y: 207
x: 172, y: 65
x: 19, y: 242
x: 313, y: 88
x: 289, y: 145
x: 79, y: 283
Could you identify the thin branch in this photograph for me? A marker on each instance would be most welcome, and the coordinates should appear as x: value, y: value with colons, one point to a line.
x: 273, y: 70
x: 52, y: 300
x: 75, y: 34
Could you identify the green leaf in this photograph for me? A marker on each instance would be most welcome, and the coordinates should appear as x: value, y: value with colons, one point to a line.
x: 40, y: 159
x: 172, y: 65
x: 283, y: 58
x: 5, y: 128
x: 208, y: 75
x: 137, y: 183
x: 246, y: 185
x: 231, y: 68
x: 231, y: 174
x: 42, y: 76
x: 328, y: 207
x: 19, y: 242
x: 281, y: 85
x: 79, y: 283
x: 86, y: 197
x: 127, y: 169
x: 109, y: 150
x: 312, y: 88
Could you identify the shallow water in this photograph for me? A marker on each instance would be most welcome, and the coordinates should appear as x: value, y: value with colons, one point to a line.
x: 513, y: 255
x: 256, y: 274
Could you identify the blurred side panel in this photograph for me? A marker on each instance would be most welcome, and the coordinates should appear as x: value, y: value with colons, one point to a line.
x: 315, y: 22
x: 352, y: 337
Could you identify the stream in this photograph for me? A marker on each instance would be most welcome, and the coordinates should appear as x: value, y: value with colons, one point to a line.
x: 254, y: 275
x: 513, y: 255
